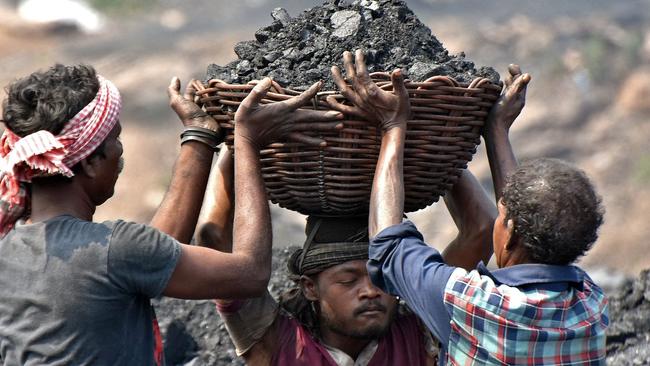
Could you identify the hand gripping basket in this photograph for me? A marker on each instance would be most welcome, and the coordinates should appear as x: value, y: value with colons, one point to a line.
x: 336, y: 180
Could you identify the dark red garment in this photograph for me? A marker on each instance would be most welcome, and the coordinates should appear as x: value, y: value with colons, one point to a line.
x: 404, y: 344
x: 158, y: 351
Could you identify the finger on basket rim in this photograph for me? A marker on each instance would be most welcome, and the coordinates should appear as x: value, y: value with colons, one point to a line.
x: 316, y: 126
x: 347, y: 109
x: 308, y: 140
x: 304, y: 97
x: 311, y: 115
x: 257, y: 93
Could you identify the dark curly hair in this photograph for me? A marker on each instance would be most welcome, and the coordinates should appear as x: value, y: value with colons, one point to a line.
x: 555, y: 210
x: 47, y: 100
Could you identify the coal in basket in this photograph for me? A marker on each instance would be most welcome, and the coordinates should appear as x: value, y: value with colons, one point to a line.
x: 335, y: 180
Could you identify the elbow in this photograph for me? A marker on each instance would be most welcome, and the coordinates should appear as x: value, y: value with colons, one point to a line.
x: 210, y: 235
x: 256, y: 285
x: 206, y: 234
x: 258, y: 275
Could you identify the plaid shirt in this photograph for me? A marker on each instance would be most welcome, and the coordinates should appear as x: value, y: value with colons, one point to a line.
x: 530, y: 314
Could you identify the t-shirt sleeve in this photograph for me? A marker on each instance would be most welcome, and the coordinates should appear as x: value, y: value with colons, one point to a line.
x: 402, y: 264
x: 141, y: 259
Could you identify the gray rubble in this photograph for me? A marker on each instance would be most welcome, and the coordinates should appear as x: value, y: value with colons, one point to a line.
x: 628, y: 335
x: 299, y: 51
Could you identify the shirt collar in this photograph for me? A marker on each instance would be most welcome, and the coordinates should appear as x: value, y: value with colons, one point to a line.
x: 529, y: 274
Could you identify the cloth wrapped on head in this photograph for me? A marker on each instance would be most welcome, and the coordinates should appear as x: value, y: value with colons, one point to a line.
x: 330, y: 242
x: 42, y: 154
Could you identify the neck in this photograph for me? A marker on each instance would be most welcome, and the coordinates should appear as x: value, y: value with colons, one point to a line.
x: 515, y: 257
x: 60, y: 198
x: 351, y: 346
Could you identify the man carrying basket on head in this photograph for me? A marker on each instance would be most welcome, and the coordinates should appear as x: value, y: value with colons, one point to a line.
x: 335, y: 315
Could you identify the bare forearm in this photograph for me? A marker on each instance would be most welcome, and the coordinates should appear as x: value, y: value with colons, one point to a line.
x: 214, y: 229
x: 473, y: 213
x: 179, y: 210
x: 252, y: 232
x: 387, y: 197
x: 501, y: 157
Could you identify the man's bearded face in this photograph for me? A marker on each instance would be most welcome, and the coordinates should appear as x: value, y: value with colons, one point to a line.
x: 350, y: 304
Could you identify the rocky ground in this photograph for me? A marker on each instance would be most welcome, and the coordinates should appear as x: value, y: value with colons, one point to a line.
x: 628, y: 337
x: 194, y: 332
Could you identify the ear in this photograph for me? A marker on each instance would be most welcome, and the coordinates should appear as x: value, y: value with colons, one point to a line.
x: 309, y: 288
x: 89, y: 166
x: 512, y: 240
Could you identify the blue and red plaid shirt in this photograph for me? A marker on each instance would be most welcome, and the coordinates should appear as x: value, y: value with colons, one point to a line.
x: 529, y: 314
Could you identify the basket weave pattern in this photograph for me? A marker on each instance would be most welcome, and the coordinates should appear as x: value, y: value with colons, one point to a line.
x: 442, y: 135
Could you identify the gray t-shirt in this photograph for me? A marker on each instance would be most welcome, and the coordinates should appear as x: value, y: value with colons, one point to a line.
x: 74, y: 292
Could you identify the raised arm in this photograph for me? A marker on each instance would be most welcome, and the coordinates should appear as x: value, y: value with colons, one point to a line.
x: 389, y: 111
x: 473, y: 213
x: 505, y: 111
x: 204, y: 273
x: 179, y: 210
x: 214, y: 229
x: 250, y: 323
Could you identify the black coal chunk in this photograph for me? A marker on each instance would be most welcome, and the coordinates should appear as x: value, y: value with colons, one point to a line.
x: 298, y: 51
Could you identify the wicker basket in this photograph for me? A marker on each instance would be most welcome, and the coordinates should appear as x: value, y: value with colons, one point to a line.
x: 336, y: 180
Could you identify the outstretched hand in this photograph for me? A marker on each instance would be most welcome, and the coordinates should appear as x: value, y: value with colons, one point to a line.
x: 262, y: 124
x: 387, y: 109
x: 186, y: 108
x: 512, y: 100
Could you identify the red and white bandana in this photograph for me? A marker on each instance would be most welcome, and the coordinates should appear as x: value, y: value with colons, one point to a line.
x: 43, y: 154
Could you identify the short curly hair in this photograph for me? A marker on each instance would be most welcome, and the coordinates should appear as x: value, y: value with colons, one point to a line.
x: 47, y: 100
x: 555, y: 210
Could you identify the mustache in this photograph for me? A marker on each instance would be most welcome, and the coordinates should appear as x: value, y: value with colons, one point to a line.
x: 370, y: 306
x: 120, y: 165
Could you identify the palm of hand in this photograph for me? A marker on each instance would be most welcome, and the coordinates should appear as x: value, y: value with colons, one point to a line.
x: 190, y: 114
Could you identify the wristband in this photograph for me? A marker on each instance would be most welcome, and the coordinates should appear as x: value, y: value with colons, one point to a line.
x: 203, y: 135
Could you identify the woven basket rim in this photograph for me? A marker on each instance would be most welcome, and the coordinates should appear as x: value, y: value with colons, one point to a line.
x: 442, y: 136
x: 476, y: 85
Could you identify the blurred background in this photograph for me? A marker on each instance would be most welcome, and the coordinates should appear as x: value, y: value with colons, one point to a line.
x: 588, y: 102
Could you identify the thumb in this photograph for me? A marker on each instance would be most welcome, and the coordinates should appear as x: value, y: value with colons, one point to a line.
x: 174, y: 88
